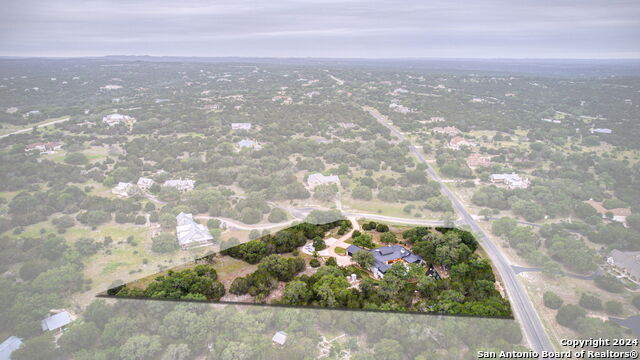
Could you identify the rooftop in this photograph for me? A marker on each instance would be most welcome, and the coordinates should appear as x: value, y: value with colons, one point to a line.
x: 56, y: 321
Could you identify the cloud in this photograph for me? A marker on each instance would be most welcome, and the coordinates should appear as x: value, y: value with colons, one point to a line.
x: 327, y: 28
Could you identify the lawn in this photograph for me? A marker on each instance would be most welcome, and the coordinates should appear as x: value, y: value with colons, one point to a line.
x: 340, y: 250
x: 387, y: 209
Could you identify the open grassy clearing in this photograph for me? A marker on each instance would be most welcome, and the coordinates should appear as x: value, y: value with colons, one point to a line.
x: 388, y: 209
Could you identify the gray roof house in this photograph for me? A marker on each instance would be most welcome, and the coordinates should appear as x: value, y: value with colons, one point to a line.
x: 190, y: 233
x: 56, y: 321
x: 385, y: 256
x: 626, y: 261
x: 8, y: 346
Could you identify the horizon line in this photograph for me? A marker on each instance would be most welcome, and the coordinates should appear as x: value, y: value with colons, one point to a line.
x: 30, y: 57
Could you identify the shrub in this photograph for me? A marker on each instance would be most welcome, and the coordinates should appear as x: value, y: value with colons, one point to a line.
x: 239, y: 286
x: 331, y: 262
x: 314, y: 263
x: 570, y: 315
x: 364, y: 240
x: 613, y: 307
x: 388, y: 237
x: 609, y: 283
x: 382, y: 228
x: 371, y: 225
x: 590, y: 302
x: 277, y: 215
x: 164, y: 243
x: 552, y: 300
x: 319, y: 244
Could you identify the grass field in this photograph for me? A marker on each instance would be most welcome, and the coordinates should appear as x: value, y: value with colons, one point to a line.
x: 388, y: 209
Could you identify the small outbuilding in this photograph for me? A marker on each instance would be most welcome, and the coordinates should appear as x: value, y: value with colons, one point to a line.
x: 56, y: 321
x: 279, y: 338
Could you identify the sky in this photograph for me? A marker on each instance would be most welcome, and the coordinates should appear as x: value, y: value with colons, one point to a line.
x: 323, y: 28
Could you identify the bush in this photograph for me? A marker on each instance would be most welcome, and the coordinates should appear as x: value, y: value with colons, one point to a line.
x: 371, y: 225
x: 314, y: 263
x: 331, y: 262
x: 239, y: 286
x: 552, y: 300
x: 382, y: 228
x: 609, y: 283
x: 140, y: 220
x: 570, y: 315
x: 362, y: 193
x: 164, y: 243
x: 213, y: 223
x: 613, y: 307
x: 590, y: 302
x: 277, y: 215
x: 388, y: 237
x: 318, y: 244
x: 364, y: 240
x: 75, y: 158
x: 86, y: 246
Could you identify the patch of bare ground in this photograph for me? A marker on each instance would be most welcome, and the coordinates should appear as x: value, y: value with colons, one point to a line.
x: 276, y: 293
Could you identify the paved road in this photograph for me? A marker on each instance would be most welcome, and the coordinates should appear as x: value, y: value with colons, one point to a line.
x: 38, y: 126
x: 237, y: 225
x: 524, y: 311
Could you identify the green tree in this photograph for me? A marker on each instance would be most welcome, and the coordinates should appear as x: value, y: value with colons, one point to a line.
x: 362, y: 193
x: 168, y: 221
x: 613, y: 307
x: 79, y: 336
x: 319, y: 244
x: 277, y: 215
x: 326, y: 192
x: 590, y: 302
x: 140, y: 347
x: 86, y: 246
x: 363, y: 258
x: 503, y: 226
x: 296, y: 293
x: 569, y: 315
x: 40, y: 347
x: 75, y: 158
x: 388, y: 237
x: 250, y: 215
x: 552, y: 300
x: 164, y: 243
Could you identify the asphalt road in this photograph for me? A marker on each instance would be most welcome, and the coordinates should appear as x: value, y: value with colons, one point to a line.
x: 522, y: 307
x: 38, y: 126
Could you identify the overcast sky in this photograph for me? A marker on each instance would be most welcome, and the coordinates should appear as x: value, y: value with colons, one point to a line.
x: 322, y: 28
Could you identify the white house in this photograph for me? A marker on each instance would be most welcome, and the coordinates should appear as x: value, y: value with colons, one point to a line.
x: 458, y: 142
x: 601, y: 131
x: 56, y: 321
x: 115, y: 119
x: 319, y: 179
x: 180, y: 184
x: 513, y: 180
x: 145, y: 183
x: 44, y: 148
x: 123, y: 189
x: 190, y: 233
x: 241, y: 126
x: 8, y: 346
x: 248, y: 144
